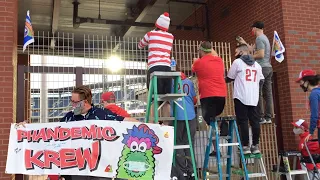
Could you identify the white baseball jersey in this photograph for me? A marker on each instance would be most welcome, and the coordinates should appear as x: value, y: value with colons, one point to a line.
x: 246, y: 81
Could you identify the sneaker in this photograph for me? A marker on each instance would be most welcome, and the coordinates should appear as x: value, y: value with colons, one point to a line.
x: 255, y: 149
x: 268, y: 120
x: 246, y: 150
x: 263, y: 120
x: 192, y: 177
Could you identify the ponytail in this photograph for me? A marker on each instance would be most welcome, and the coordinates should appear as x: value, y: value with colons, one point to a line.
x: 313, y: 80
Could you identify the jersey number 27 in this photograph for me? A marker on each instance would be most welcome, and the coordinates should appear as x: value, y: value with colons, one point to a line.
x: 251, y: 75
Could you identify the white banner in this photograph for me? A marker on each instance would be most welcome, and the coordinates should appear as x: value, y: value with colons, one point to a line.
x: 92, y: 148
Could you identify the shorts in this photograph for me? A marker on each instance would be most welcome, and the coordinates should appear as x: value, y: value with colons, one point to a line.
x: 164, y: 84
x: 212, y: 107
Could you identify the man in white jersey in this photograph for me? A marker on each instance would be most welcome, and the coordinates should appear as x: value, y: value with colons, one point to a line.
x: 159, y: 42
x: 246, y: 74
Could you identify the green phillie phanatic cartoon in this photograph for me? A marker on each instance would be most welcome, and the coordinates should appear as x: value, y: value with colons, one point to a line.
x: 137, y: 158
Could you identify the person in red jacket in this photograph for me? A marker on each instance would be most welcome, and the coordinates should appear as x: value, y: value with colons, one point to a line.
x: 301, y: 128
x: 209, y: 69
x: 108, y: 99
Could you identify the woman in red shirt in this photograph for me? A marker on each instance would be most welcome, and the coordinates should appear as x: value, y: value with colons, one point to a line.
x: 209, y: 69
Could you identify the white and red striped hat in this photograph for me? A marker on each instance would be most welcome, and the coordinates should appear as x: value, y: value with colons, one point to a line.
x: 163, y: 22
x: 300, y: 123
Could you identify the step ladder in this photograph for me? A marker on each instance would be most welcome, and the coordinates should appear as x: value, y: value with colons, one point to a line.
x: 214, y: 128
x: 175, y: 96
x: 284, y: 156
x: 259, y: 167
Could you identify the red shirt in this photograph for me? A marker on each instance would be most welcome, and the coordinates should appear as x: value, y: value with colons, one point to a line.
x: 117, y: 110
x: 210, y: 72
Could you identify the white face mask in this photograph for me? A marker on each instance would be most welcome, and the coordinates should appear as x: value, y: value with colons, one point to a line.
x: 77, y: 110
x: 297, y: 131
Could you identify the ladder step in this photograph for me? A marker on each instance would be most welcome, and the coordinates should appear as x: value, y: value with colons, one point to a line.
x: 253, y: 156
x: 169, y: 97
x: 255, y: 175
x: 296, y: 172
x: 229, y: 144
x: 181, y: 147
x: 217, y: 176
x: 163, y: 118
x: 290, y: 153
x: 162, y: 74
x: 222, y: 157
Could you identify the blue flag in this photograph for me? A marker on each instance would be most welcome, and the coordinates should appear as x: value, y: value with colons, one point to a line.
x: 28, y: 33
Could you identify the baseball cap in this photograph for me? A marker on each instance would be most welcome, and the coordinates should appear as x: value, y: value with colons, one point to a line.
x: 300, y: 123
x: 258, y: 24
x: 108, y: 96
x: 305, y: 73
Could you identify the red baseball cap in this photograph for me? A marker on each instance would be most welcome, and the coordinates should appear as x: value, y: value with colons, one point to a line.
x: 300, y: 123
x: 108, y: 96
x: 305, y: 73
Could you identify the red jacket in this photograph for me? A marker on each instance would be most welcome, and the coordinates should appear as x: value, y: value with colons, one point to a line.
x: 313, y: 148
x: 117, y: 110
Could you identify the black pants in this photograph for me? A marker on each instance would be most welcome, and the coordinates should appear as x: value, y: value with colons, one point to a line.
x: 243, y: 114
x: 164, y: 84
x: 212, y: 107
x: 183, y: 156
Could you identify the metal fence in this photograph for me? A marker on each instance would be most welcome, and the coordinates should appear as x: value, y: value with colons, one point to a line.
x: 59, y: 63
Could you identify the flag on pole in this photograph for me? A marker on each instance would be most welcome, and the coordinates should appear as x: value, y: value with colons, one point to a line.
x: 277, y: 48
x: 28, y: 32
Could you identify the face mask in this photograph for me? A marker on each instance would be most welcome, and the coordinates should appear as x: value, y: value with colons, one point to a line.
x: 305, y: 89
x: 297, y: 131
x: 77, y: 110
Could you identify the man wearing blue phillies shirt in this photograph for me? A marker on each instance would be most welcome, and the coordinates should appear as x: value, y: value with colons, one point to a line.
x: 183, y: 156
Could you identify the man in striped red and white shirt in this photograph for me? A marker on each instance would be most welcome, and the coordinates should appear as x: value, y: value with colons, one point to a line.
x: 159, y: 42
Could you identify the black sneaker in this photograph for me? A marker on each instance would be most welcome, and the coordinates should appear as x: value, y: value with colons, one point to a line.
x: 268, y: 120
x: 255, y: 149
x: 246, y: 150
x: 192, y: 177
x: 263, y: 121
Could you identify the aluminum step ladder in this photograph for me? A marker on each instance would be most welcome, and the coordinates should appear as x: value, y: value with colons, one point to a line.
x: 174, y: 97
x: 287, y: 171
x: 214, y: 129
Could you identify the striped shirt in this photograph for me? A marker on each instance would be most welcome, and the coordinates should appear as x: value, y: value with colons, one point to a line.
x: 160, y: 46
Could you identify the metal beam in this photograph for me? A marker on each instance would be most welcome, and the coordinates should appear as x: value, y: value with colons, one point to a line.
x: 144, y: 8
x: 79, y: 20
x: 55, y: 15
x: 72, y: 70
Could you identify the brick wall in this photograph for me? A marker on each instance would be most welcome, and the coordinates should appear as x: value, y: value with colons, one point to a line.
x: 8, y: 60
x: 298, y: 27
x: 302, y: 35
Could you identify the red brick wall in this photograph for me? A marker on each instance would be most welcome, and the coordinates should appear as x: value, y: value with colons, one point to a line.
x: 8, y: 52
x: 298, y: 27
x: 302, y: 35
